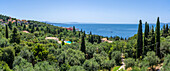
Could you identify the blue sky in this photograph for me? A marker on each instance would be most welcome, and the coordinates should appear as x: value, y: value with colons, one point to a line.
x: 88, y: 11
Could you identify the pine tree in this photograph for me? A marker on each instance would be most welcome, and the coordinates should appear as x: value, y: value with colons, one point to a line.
x: 6, y: 32
x: 83, y: 48
x: 139, y: 40
x: 146, y: 38
x: 158, y: 38
x: 15, y: 36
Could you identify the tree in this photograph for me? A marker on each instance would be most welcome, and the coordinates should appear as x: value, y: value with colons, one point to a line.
x: 146, y: 38
x: 152, y: 59
x: 74, y: 30
x: 44, y: 66
x: 83, y: 47
x: 166, y: 63
x: 77, y: 68
x: 116, y: 55
x: 91, y: 39
x: 167, y: 28
x: 24, y: 27
x: 10, y: 25
x: 40, y: 52
x: 99, y: 40
x: 15, y: 36
x: 158, y: 38
x: 108, y: 64
x: 21, y: 64
x: 139, y: 40
x: 8, y: 54
x: 129, y: 62
x: 6, y: 32
x: 91, y: 65
x: 4, y: 66
x: 164, y: 30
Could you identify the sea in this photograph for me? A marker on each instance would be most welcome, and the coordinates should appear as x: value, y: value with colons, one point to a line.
x: 107, y: 30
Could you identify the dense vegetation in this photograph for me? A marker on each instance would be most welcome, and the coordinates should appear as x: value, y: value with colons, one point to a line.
x: 20, y: 51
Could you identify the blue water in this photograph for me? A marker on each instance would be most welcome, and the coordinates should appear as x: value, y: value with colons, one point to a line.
x: 122, y: 30
x: 69, y: 42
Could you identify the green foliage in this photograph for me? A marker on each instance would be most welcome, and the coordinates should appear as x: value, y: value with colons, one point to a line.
x: 83, y: 47
x: 21, y: 64
x: 6, y: 32
x: 166, y: 64
x: 129, y: 62
x: 4, y: 66
x: 91, y: 65
x: 40, y: 52
x: 77, y: 68
x: 15, y: 36
x: 152, y: 59
x: 158, y: 38
x: 116, y: 55
x: 108, y: 64
x: 8, y: 54
x: 139, y: 40
x: 44, y: 66
x: 4, y: 42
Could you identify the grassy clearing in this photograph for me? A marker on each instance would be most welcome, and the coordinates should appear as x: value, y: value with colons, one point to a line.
x: 116, y: 68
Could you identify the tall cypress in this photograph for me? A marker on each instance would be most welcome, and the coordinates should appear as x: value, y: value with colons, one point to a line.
x: 15, y: 36
x: 16, y: 23
x: 152, y: 45
x: 146, y: 37
x: 158, y: 38
x: 139, y: 40
x: 84, y: 34
x: 6, y: 32
x: 24, y: 27
x: 83, y: 48
x: 99, y: 40
x: 10, y: 25
x: 74, y: 30
x: 91, y: 39
x: 166, y: 29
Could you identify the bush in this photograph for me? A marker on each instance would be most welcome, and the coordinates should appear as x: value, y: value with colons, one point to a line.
x: 91, y: 65
x: 77, y: 68
x: 129, y: 62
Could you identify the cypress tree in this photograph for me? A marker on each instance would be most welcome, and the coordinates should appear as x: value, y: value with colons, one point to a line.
x: 91, y: 39
x: 6, y: 32
x: 84, y: 34
x: 146, y: 37
x: 167, y: 28
x: 10, y: 25
x: 74, y: 30
x: 24, y: 27
x: 139, y: 40
x: 99, y: 40
x: 158, y: 37
x: 15, y: 36
x: 152, y: 45
x: 83, y: 48
x: 164, y: 31
x: 16, y: 23
x: 32, y: 30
